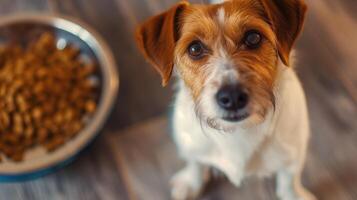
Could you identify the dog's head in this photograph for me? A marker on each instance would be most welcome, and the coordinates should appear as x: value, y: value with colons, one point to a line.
x: 226, y: 54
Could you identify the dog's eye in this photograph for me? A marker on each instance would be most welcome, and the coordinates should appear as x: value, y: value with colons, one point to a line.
x: 253, y: 39
x: 196, y: 50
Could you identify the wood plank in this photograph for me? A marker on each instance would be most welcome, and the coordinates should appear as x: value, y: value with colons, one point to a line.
x: 15, y: 6
x: 93, y: 176
x: 148, y: 165
x: 328, y: 49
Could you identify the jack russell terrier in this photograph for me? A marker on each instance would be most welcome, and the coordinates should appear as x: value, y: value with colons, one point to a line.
x: 240, y: 107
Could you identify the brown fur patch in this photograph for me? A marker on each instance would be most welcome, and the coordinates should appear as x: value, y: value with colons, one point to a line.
x: 287, y: 18
x: 156, y: 38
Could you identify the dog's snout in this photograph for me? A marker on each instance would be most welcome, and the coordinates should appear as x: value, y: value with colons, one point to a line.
x: 232, y: 97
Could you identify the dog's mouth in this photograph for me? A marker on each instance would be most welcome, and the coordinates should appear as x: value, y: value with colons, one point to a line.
x: 236, y: 116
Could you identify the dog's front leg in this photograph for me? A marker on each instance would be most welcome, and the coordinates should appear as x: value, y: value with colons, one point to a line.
x: 188, y: 183
x: 289, y: 186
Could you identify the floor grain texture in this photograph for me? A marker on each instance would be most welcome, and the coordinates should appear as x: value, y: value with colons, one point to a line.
x: 133, y: 159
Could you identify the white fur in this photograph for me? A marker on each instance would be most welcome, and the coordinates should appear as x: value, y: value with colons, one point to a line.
x: 220, y: 71
x: 221, y: 16
x: 216, y: 1
x: 276, y: 146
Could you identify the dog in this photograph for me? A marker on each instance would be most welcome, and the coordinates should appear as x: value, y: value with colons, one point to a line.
x: 239, y: 107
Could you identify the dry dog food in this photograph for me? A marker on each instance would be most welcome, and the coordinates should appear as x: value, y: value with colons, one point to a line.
x: 46, y: 95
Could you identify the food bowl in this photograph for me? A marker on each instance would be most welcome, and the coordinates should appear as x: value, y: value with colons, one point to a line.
x: 21, y: 27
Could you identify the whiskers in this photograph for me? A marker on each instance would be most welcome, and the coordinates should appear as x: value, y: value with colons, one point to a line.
x: 207, y: 122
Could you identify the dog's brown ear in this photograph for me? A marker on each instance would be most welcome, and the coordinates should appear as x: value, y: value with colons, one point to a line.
x: 157, y: 37
x: 287, y: 18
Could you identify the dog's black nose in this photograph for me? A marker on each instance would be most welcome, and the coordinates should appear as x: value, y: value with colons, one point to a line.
x: 232, y: 97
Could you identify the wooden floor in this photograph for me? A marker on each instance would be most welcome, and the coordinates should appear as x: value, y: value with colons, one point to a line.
x: 133, y: 158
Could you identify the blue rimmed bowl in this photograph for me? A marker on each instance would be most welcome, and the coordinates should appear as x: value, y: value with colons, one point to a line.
x: 23, y: 27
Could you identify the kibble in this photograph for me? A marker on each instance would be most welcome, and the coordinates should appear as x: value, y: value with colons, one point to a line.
x: 45, y: 96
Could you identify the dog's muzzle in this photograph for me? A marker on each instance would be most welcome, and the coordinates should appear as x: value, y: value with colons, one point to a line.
x: 233, y: 99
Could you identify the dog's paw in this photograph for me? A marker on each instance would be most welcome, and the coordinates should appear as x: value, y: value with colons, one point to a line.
x: 183, y: 191
x: 303, y: 195
x: 185, y: 187
x: 306, y: 195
